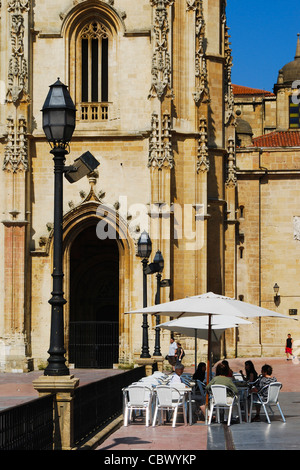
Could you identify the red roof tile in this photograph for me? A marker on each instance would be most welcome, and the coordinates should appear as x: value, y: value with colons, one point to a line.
x: 278, y: 139
x: 244, y: 90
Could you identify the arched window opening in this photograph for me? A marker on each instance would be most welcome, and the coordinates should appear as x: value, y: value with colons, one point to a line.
x: 94, y: 46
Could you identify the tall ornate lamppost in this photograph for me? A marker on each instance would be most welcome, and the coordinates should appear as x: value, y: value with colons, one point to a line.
x: 58, y: 124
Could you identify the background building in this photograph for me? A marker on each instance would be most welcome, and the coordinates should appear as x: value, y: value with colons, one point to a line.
x: 268, y: 196
x: 151, y: 81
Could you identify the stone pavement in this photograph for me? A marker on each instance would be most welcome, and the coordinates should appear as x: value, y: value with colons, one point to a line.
x: 244, y: 436
x: 17, y: 388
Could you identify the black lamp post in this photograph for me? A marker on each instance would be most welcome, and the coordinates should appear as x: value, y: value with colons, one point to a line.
x: 144, y: 251
x: 58, y: 124
x: 158, y: 261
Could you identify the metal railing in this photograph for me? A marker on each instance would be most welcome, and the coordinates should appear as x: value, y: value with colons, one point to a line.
x: 28, y: 426
x: 98, y: 403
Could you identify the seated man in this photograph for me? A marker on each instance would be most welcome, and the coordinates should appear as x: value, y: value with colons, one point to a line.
x: 179, y: 368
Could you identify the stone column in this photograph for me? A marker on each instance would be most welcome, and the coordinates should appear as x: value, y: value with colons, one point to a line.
x: 63, y: 388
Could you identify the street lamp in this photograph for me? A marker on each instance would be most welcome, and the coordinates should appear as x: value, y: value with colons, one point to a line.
x: 158, y: 261
x: 277, y: 295
x: 144, y: 251
x: 59, y: 124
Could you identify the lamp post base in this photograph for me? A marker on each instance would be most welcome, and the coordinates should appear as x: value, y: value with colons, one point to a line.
x: 63, y: 390
x: 56, y: 371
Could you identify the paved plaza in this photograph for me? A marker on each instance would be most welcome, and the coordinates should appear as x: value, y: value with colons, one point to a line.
x: 17, y: 388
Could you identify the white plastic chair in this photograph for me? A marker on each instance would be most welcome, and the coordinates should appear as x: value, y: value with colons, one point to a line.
x: 139, y: 399
x: 170, y: 399
x: 272, y: 399
x: 220, y: 400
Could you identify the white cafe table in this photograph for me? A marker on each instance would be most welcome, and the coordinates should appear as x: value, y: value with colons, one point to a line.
x: 187, y: 393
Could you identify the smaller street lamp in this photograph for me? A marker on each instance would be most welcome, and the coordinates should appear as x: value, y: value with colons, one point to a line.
x: 144, y: 246
x: 276, y: 289
x: 144, y: 251
x: 277, y: 295
x: 159, y: 263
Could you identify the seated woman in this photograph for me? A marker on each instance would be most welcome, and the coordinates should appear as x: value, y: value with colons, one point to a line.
x: 221, y: 378
x: 251, y: 374
x: 229, y: 372
x: 200, y: 372
x: 266, y: 379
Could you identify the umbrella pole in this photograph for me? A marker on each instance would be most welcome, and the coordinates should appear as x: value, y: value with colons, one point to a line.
x: 208, y: 349
x: 195, y: 349
x: 208, y: 366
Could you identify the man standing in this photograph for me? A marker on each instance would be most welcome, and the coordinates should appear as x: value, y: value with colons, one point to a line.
x: 172, y: 352
x: 289, y: 347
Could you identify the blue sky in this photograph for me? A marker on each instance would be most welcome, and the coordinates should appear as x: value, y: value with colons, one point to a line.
x: 263, y: 39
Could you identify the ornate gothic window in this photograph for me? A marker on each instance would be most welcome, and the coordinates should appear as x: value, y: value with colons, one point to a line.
x: 94, y: 46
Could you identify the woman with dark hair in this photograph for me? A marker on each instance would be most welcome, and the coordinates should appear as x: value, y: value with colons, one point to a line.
x: 229, y: 372
x: 251, y: 374
x: 265, y: 379
x: 200, y: 372
x: 221, y: 378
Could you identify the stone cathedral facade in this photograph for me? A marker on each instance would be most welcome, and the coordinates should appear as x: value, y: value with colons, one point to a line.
x: 151, y: 82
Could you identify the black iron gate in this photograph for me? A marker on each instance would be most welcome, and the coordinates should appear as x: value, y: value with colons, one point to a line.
x: 94, y: 344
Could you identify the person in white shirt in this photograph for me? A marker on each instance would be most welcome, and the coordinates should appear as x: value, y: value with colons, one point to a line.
x: 179, y: 368
x: 172, y: 352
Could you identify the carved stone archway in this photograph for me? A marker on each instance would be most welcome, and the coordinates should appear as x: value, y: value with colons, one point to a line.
x: 84, y: 219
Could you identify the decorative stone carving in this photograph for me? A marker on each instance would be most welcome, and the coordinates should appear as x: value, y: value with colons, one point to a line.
x: 161, y: 61
x: 229, y: 98
x: 15, y: 154
x: 17, y: 68
x: 191, y: 5
x: 202, y: 154
x: 18, y: 5
x: 160, y: 146
x: 201, y: 92
x: 231, y: 180
x: 94, y: 30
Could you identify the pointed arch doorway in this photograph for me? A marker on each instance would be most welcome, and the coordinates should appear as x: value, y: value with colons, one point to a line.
x: 94, y: 301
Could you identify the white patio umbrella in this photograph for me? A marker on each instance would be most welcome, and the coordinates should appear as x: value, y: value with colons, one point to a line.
x: 208, y: 304
x: 198, y: 327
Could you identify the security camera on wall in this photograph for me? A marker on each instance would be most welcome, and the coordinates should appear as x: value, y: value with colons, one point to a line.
x: 81, y: 167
